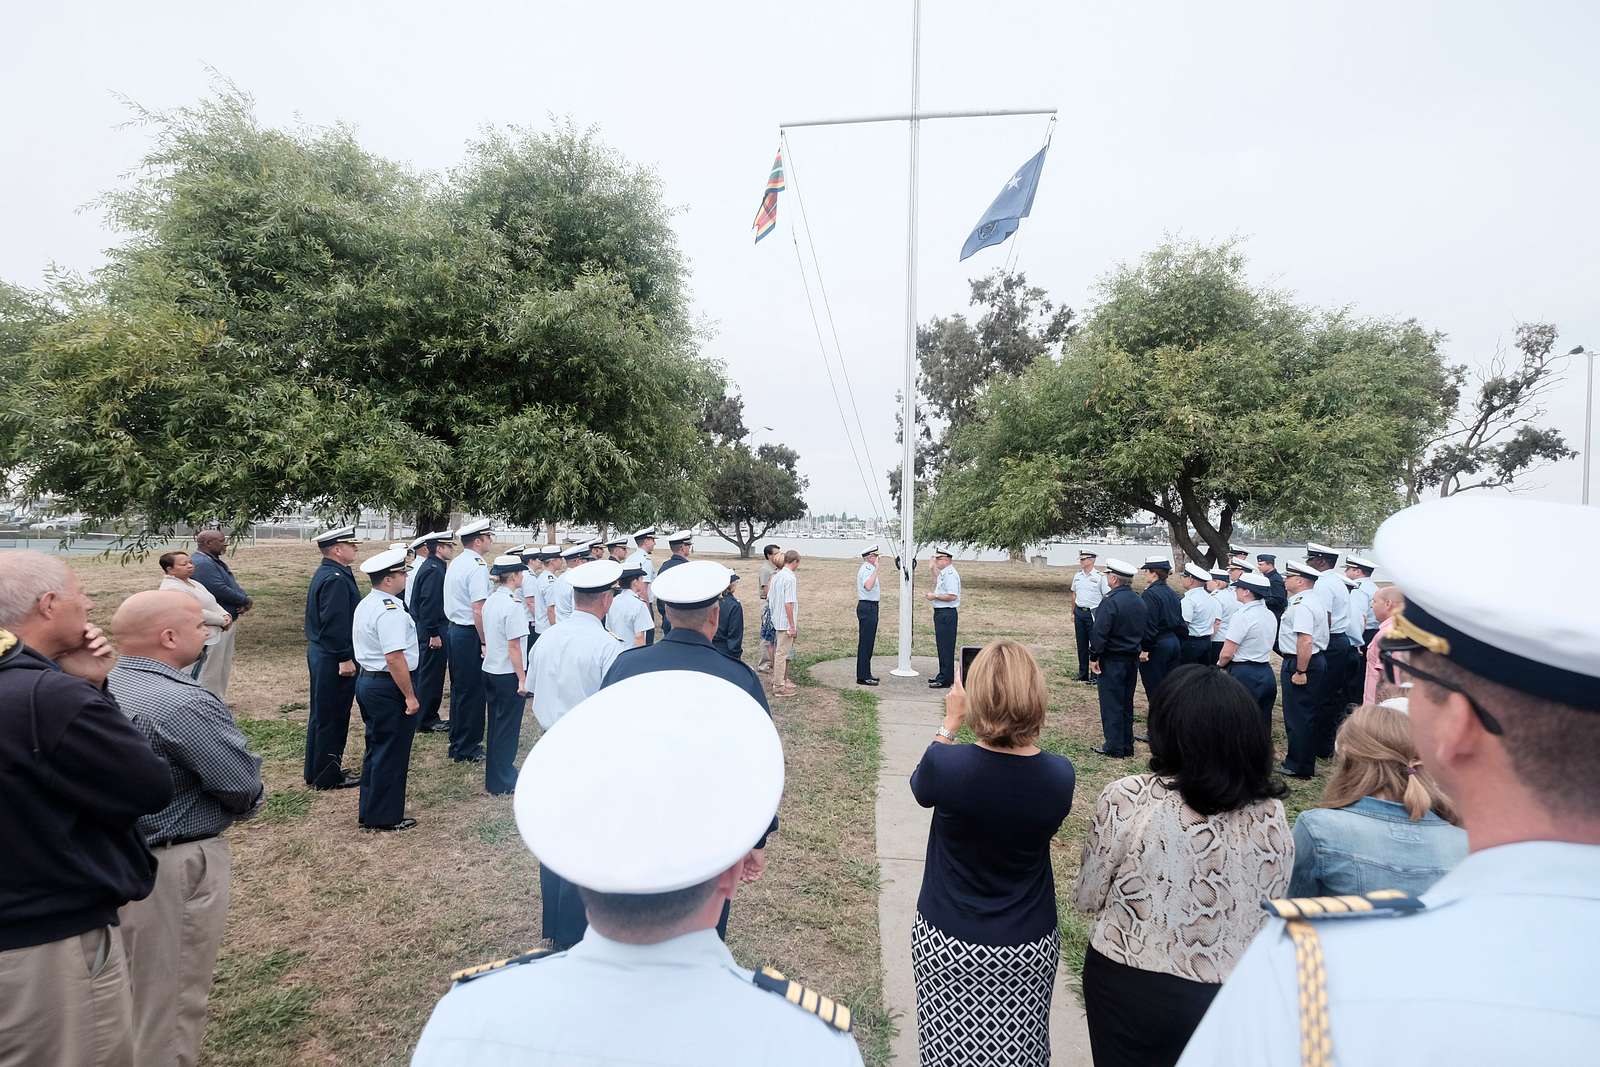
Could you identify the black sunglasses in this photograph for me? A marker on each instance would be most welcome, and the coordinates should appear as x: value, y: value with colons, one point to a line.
x: 1392, y: 666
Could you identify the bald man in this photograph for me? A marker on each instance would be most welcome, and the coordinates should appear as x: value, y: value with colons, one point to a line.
x: 171, y: 937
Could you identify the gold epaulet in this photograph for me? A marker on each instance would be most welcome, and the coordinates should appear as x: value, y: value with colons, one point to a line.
x: 469, y: 973
x: 1385, y: 902
x: 827, y: 1009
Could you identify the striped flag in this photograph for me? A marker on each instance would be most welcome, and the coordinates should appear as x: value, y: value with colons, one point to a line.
x: 767, y: 215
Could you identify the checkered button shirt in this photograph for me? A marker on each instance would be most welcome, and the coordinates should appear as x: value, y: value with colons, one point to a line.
x: 215, y: 778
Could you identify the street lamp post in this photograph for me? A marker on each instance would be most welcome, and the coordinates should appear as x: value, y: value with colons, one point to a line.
x: 1588, y: 417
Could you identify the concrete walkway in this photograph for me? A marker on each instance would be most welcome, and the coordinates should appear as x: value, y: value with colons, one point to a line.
x: 908, y: 714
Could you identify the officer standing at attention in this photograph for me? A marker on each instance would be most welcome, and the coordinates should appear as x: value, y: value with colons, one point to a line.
x: 466, y: 589
x: 648, y: 802
x: 1201, y: 616
x: 645, y: 540
x: 1088, y: 589
x: 386, y: 649
x: 573, y: 558
x: 617, y: 549
x: 1335, y: 596
x: 1302, y: 641
x: 868, y: 591
x: 1119, y: 625
x: 1495, y: 964
x: 1360, y: 604
x: 729, y: 638
x: 1278, y: 599
x: 425, y: 604
x: 532, y: 557
x: 1246, y: 650
x: 1360, y: 571
x: 505, y: 657
x: 1163, y: 624
x: 681, y: 544
x: 330, y: 609
x: 568, y: 664
x: 550, y: 558
x: 946, y: 598
x: 629, y: 618
x: 1227, y: 603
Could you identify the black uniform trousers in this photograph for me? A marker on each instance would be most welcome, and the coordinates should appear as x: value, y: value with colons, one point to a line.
x: 429, y: 677
x: 1301, y: 708
x: 1257, y: 677
x: 1163, y: 658
x: 328, y: 723
x: 1082, y: 631
x: 389, y: 735
x: 1339, y: 660
x: 504, y: 733
x: 562, y: 916
x: 1214, y: 653
x: 1118, y: 675
x: 866, y: 637
x: 1368, y: 636
x: 944, y: 637
x: 466, y: 692
x: 1193, y: 649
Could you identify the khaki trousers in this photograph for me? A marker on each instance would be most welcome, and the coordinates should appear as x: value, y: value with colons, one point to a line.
x: 172, y: 937
x: 780, y: 659
x: 66, y: 1003
x: 218, y: 667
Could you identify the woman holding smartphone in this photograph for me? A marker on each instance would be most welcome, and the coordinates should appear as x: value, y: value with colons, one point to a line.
x: 985, y: 943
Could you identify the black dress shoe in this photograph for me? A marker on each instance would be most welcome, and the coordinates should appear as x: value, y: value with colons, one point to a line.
x: 440, y: 727
x: 403, y: 824
x: 1102, y: 751
x: 476, y: 757
x: 1141, y: 737
x: 866, y: 681
x: 346, y: 781
x: 938, y: 685
x: 1287, y: 773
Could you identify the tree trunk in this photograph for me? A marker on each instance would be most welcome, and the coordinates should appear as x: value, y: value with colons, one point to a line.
x: 432, y: 521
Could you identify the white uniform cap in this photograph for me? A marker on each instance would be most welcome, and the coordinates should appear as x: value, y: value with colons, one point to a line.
x: 574, y: 551
x: 1121, y: 567
x: 1314, y: 549
x: 617, y: 542
x: 659, y: 782
x: 515, y: 550
x: 944, y: 551
x: 390, y: 559
x: 1255, y: 581
x: 441, y: 535
x: 335, y: 536
x: 598, y: 576
x: 1158, y: 562
x: 1219, y: 573
x: 476, y: 527
x: 1302, y: 568
x: 550, y: 550
x: 870, y: 551
x: 1545, y: 640
x: 1360, y: 561
x: 691, y: 584
x: 401, y: 545
x: 644, y: 531
x: 507, y: 563
x: 1197, y: 572
x: 1084, y: 553
x: 678, y: 537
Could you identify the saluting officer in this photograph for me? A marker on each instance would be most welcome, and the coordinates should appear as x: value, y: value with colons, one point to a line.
x: 1163, y: 624
x: 1119, y: 625
x: 425, y: 604
x: 649, y: 802
x: 330, y: 609
x: 1246, y: 651
x: 386, y: 650
x: 1201, y: 616
x: 1227, y: 603
x: 466, y: 589
x: 1335, y: 596
x: 1089, y: 588
x: 1495, y: 964
x: 1303, y: 644
x: 946, y: 598
x: 868, y: 590
x: 1360, y: 570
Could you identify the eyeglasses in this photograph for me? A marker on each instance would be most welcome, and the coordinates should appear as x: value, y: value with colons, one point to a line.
x: 1392, y: 665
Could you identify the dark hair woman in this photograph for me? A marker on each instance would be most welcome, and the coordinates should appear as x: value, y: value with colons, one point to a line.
x: 1175, y: 868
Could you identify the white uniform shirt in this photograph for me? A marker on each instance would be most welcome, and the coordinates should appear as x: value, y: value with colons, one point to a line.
x: 606, y: 1004
x: 948, y: 582
x: 783, y: 589
x: 503, y: 619
x: 867, y: 570
x: 411, y: 572
x: 529, y: 592
x: 1227, y: 607
x: 568, y: 663
x: 541, y: 605
x: 1200, y: 611
x: 379, y: 626
x: 629, y: 617
x: 639, y: 559
x: 560, y: 596
x: 1335, y: 597
x: 1089, y: 588
x: 466, y: 581
x: 1251, y: 629
x: 1303, y: 617
x: 1360, y: 608
x: 1499, y: 968
x: 1369, y: 621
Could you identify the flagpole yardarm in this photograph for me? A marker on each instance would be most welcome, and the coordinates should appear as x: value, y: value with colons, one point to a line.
x: 921, y: 116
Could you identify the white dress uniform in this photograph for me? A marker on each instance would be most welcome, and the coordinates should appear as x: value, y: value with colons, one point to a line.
x: 1360, y: 605
x: 529, y: 590
x: 865, y: 571
x: 1251, y: 629
x: 466, y: 581
x: 948, y: 582
x: 1302, y: 617
x: 1089, y: 588
x: 381, y: 625
x: 1369, y: 621
x: 1227, y: 607
x: 560, y: 594
x: 629, y: 617
x: 569, y: 662
x: 503, y: 619
x: 1200, y: 611
x: 1335, y: 597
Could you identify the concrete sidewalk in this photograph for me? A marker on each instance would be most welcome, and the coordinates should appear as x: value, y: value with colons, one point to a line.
x: 908, y: 714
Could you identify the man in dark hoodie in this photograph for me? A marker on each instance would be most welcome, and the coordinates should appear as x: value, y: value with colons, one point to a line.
x: 75, y: 775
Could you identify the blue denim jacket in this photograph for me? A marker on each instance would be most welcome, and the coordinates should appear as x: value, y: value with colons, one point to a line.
x: 1372, y: 844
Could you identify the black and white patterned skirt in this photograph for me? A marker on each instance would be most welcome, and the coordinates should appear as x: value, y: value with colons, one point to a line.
x: 982, y: 1005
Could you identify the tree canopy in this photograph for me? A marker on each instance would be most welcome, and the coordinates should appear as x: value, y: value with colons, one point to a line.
x: 1192, y: 394
x: 293, y: 319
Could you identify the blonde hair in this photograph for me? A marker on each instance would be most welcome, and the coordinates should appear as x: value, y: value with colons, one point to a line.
x: 1006, y: 699
x: 1374, y: 756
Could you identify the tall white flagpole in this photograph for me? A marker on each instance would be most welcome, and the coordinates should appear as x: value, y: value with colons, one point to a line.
x: 908, y: 406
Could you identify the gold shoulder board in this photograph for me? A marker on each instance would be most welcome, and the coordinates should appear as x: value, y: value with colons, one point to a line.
x: 469, y: 973
x: 827, y: 1009
x: 1384, y: 902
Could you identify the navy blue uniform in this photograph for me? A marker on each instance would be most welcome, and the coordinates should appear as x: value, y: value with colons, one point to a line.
x: 666, y: 565
x: 730, y: 627
x: 1278, y: 599
x: 1119, y: 627
x: 427, y: 608
x: 1163, y: 625
x: 330, y: 611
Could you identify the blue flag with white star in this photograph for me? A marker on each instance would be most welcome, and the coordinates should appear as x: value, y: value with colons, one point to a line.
x: 1009, y: 208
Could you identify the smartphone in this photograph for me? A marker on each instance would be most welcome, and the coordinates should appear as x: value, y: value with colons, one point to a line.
x: 968, y: 654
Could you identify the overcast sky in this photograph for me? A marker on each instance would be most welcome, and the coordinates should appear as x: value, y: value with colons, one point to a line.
x: 1436, y: 160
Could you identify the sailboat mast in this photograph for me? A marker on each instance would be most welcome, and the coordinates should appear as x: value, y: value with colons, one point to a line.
x: 908, y: 408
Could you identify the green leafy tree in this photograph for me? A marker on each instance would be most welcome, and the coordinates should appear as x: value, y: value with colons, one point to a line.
x: 1191, y: 394
x: 750, y: 492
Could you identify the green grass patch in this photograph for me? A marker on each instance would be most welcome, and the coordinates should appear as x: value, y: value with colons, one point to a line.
x: 495, y: 829
x: 859, y: 733
x: 275, y: 739
x: 285, y: 806
x: 254, y: 1010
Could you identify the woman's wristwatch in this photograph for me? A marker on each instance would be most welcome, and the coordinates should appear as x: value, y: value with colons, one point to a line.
x: 946, y: 734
